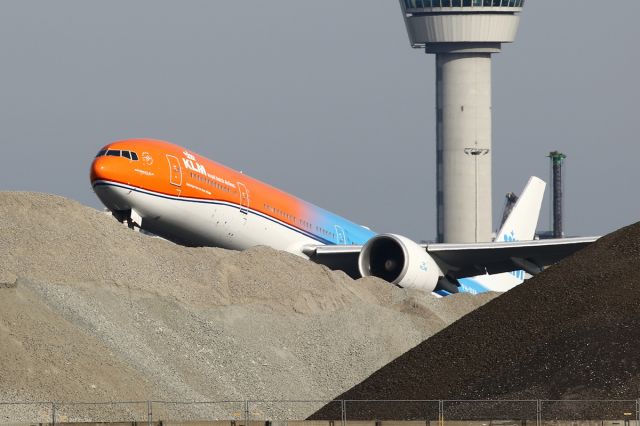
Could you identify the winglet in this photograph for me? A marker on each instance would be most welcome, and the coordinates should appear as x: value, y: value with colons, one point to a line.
x: 523, y: 220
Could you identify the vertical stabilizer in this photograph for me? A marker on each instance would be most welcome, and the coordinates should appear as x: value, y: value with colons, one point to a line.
x: 519, y: 226
x: 523, y: 220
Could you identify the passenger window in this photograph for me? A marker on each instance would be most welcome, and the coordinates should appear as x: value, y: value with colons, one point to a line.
x: 101, y: 153
x: 134, y: 156
x: 113, y: 153
x: 126, y: 154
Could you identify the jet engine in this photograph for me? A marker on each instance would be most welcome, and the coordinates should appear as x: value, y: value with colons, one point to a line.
x: 400, y: 261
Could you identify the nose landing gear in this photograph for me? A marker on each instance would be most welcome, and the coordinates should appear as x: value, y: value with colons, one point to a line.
x: 132, y: 218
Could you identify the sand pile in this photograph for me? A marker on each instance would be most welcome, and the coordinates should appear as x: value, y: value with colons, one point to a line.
x: 573, y: 332
x: 99, y: 312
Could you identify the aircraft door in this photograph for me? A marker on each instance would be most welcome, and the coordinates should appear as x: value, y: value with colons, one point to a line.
x: 175, y: 171
x: 244, y: 198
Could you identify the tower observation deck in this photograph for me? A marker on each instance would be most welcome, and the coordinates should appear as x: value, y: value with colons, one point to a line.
x: 463, y: 34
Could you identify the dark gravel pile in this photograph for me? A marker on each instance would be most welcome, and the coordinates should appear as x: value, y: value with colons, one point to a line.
x: 573, y: 332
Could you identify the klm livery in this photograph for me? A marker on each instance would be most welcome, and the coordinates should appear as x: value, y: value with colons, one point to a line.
x: 179, y: 195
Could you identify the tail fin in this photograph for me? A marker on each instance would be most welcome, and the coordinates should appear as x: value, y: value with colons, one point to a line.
x: 523, y: 220
x: 519, y: 226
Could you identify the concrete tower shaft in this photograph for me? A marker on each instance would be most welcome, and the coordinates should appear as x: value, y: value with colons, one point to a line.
x: 463, y: 107
x: 463, y: 34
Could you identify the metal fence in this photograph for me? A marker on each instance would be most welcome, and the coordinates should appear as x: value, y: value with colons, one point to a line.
x: 331, y: 413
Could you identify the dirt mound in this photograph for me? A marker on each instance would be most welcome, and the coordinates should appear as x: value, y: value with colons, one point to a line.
x: 8, y: 280
x: 104, y: 313
x: 573, y: 332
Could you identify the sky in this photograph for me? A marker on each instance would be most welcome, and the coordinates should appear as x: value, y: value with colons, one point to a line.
x: 324, y: 99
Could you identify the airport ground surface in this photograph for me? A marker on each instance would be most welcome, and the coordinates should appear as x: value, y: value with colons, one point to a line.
x: 91, y: 311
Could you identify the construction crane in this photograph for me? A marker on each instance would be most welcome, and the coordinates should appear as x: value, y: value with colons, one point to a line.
x: 511, y: 200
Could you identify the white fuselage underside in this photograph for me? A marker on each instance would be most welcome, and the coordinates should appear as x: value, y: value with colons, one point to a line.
x: 202, y: 222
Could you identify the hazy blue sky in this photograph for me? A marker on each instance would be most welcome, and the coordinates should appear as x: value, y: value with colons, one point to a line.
x: 324, y: 99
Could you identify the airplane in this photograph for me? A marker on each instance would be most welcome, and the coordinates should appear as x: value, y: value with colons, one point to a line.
x: 169, y: 191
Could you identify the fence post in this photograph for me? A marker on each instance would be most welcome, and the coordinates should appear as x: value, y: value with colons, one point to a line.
x: 53, y: 414
x: 149, y: 414
x: 441, y: 413
x: 538, y: 413
x: 637, y: 412
x: 246, y: 413
x: 343, y: 408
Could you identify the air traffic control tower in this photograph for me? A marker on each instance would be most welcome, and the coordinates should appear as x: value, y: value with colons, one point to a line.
x: 463, y: 34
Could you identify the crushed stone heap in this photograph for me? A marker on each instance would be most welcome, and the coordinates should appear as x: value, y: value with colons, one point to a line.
x: 572, y: 332
x: 92, y: 311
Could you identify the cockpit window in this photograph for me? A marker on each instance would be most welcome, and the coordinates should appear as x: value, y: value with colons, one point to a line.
x: 118, y: 153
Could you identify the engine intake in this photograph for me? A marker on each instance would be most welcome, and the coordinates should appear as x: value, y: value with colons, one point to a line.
x: 400, y: 261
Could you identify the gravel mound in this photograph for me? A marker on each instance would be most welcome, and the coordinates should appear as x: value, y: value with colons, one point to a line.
x: 573, y: 332
x: 102, y: 313
x: 8, y: 280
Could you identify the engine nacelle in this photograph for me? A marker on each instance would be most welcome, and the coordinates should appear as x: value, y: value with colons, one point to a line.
x: 400, y: 261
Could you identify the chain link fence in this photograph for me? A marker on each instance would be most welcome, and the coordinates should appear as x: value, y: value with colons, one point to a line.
x: 329, y: 413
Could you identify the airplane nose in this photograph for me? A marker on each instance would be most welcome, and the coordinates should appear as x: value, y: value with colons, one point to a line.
x: 98, y: 169
x: 103, y: 173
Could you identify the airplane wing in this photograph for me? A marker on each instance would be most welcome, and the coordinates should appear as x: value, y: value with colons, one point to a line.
x: 467, y: 260
x: 338, y: 258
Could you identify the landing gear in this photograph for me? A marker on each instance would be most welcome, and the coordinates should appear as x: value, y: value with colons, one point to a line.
x: 131, y: 217
x: 121, y: 215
